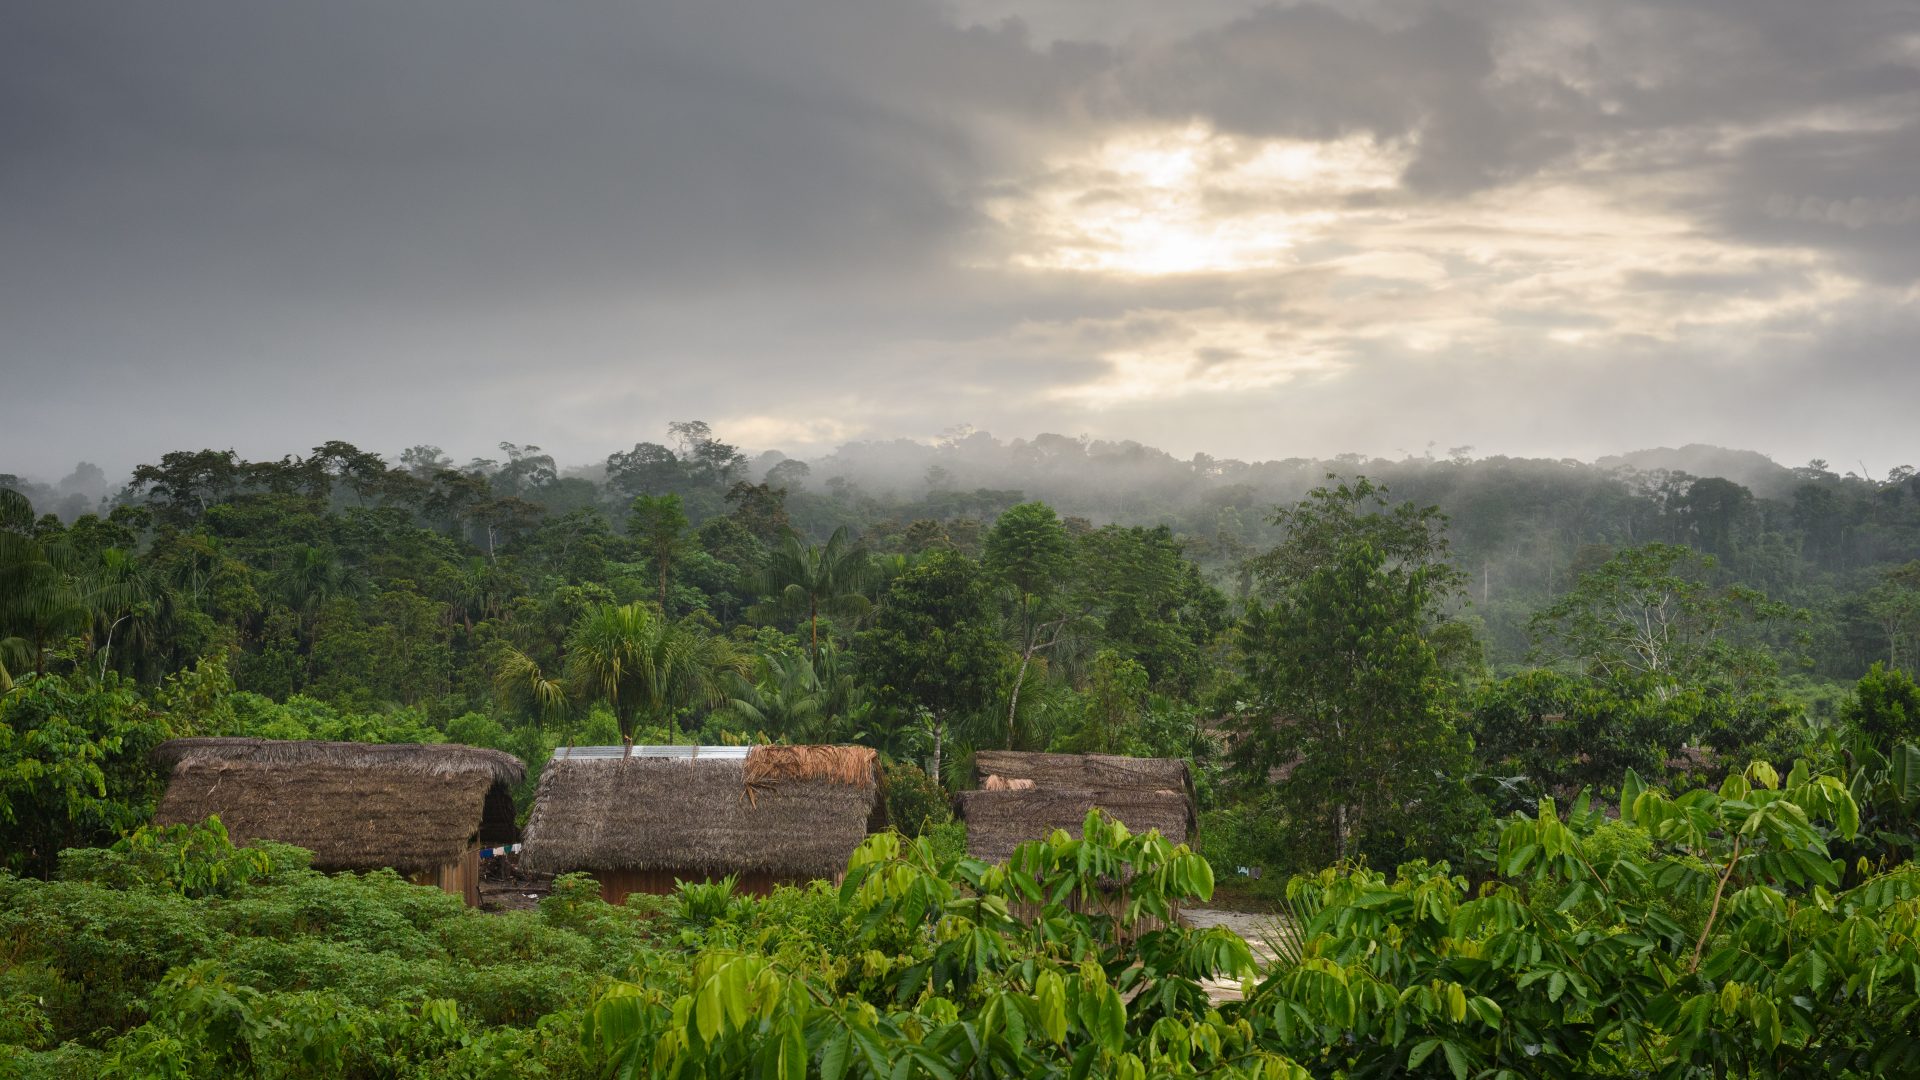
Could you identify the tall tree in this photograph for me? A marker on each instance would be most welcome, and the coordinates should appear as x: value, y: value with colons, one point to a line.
x: 39, y: 603
x: 1715, y: 510
x: 804, y: 582
x: 647, y: 469
x: 133, y: 608
x: 1152, y: 603
x: 933, y: 649
x: 1111, y: 710
x: 526, y: 472
x: 659, y: 524
x: 1346, y: 694
x: 1029, y: 555
x: 363, y: 472
x: 1894, y: 605
x: 643, y: 665
x: 1653, y: 615
x: 456, y: 497
x: 1028, y: 552
x: 708, y: 462
x: 507, y: 519
x: 761, y: 509
x: 186, y: 483
x: 311, y: 576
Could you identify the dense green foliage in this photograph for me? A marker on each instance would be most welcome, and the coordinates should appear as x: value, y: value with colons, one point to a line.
x: 1361, y: 679
x: 1708, y: 934
x: 1346, y: 691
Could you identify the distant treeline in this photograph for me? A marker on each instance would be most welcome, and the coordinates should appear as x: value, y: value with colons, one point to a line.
x: 1522, y: 530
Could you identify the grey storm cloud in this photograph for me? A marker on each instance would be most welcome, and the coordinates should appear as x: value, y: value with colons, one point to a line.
x: 1255, y: 230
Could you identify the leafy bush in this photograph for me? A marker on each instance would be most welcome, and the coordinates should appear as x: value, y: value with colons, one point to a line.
x: 105, y: 947
x: 65, y: 1062
x: 700, y: 904
x: 1884, y: 707
x: 914, y: 801
x: 948, y: 842
x: 570, y: 901
x: 1700, y: 936
x: 73, y: 767
x: 196, y: 859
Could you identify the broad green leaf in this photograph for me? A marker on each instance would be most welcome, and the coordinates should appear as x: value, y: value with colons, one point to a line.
x: 833, y: 1056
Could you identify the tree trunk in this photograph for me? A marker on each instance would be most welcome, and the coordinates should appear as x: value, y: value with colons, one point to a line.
x: 939, y: 737
x: 1033, y: 646
x: 1013, y: 707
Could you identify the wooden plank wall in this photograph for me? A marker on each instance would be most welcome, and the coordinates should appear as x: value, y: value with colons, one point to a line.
x: 460, y: 877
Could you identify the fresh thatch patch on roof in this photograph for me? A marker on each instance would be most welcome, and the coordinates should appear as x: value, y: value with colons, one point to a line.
x: 356, y: 806
x: 849, y: 765
x: 778, y: 812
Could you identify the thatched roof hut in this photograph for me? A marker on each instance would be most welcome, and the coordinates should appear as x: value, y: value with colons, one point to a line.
x: 417, y: 808
x: 1101, y: 771
x: 638, y: 821
x: 1027, y: 796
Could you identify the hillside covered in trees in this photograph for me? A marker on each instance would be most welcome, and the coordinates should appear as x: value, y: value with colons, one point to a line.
x: 1418, y: 662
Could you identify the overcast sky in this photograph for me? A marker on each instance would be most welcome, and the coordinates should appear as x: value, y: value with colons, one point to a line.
x: 1544, y: 227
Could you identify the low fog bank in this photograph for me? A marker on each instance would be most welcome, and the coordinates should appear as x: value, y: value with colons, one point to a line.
x: 974, y: 473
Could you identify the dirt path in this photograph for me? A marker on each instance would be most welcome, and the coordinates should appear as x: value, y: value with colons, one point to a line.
x: 512, y: 893
x: 1255, y: 929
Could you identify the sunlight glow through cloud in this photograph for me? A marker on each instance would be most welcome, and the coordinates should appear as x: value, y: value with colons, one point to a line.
x: 1332, y: 264
x: 1189, y: 201
x: 1207, y: 353
x: 1247, y: 227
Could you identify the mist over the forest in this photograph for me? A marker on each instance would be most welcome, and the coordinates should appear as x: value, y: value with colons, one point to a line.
x: 1521, y: 530
x: 1100, y: 479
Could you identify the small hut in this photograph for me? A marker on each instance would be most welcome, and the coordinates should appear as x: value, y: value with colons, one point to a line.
x: 425, y: 810
x: 1026, y: 796
x: 639, y: 821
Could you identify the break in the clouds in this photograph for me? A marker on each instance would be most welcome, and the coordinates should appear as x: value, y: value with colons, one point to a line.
x: 1534, y: 226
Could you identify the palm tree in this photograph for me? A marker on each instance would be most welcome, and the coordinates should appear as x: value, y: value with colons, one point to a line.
x: 476, y: 592
x: 200, y: 559
x: 636, y: 661
x: 39, y: 604
x: 521, y: 683
x: 130, y: 604
x: 786, y: 698
x: 314, y: 576
x: 806, y: 582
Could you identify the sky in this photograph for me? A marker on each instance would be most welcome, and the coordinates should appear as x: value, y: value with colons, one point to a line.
x: 1534, y: 227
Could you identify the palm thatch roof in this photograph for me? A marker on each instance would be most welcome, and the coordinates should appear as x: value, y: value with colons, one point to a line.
x: 999, y: 821
x: 786, y: 811
x: 1027, y: 796
x: 356, y: 806
x: 1103, y: 771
